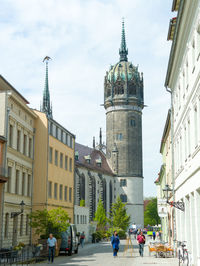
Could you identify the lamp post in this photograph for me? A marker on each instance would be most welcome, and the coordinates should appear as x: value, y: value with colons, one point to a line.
x: 14, y: 214
x: 179, y: 204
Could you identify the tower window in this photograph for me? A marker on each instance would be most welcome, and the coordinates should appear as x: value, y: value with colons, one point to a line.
x: 123, y: 197
x: 132, y: 122
x: 123, y: 182
x: 119, y: 136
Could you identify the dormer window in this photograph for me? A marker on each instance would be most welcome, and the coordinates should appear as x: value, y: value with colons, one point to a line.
x: 76, y: 156
x: 99, y: 162
x: 88, y: 158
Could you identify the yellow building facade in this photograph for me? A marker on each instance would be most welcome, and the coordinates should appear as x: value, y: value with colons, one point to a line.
x: 53, y: 184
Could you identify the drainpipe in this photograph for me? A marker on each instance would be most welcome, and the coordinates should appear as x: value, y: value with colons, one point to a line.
x: 173, y: 178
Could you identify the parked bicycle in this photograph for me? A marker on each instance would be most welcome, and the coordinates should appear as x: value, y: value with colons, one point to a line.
x: 183, y: 256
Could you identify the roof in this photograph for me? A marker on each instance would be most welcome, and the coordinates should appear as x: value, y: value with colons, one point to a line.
x: 95, y: 156
x: 19, y: 94
x: 167, y: 126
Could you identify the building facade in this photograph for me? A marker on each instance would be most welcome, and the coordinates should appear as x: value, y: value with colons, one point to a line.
x: 164, y: 177
x: 182, y: 80
x: 53, y: 185
x: 18, y: 122
x: 123, y: 102
x: 93, y: 180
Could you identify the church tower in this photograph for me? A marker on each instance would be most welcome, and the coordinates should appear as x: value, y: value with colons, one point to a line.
x: 123, y: 102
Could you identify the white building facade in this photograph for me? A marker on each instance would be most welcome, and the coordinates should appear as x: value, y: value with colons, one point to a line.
x: 183, y: 81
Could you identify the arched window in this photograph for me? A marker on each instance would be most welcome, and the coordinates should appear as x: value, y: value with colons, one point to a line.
x: 82, y: 187
x: 6, y: 225
x: 132, y: 122
x: 123, y: 197
x: 111, y: 194
x: 132, y: 88
x: 27, y: 224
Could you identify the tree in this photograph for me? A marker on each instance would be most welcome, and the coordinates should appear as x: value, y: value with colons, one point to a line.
x: 100, y: 215
x: 119, y: 217
x: 54, y: 221
x: 151, y: 213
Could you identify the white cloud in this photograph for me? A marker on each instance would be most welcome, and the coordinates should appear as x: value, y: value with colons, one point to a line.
x: 83, y: 38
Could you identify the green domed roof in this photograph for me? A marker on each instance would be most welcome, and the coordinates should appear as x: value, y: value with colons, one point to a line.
x: 123, y: 70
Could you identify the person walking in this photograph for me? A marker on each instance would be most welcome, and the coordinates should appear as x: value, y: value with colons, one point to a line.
x: 141, y: 241
x: 154, y: 235
x: 115, y: 241
x: 82, y: 239
x: 51, y: 245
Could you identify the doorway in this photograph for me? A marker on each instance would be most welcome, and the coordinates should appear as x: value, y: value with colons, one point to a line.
x: 15, y: 227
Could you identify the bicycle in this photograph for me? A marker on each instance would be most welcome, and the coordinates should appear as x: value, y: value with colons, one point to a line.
x: 183, y: 257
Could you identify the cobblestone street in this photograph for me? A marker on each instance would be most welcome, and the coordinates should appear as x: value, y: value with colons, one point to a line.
x: 101, y: 254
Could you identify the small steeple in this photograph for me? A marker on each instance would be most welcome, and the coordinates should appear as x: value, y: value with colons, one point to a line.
x: 93, y: 143
x: 46, y: 106
x: 100, y: 137
x: 123, y: 52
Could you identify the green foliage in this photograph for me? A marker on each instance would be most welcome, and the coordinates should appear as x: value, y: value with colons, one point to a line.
x: 151, y: 214
x: 45, y: 222
x: 121, y: 233
x: 119, y: 217
x: 100, y: 215
x: 82, y: 203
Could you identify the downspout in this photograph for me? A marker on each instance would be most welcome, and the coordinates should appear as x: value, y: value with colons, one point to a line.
x: 173, y: 178
x: 32, y: 179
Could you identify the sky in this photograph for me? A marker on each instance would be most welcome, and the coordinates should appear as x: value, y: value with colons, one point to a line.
x: 83, y: 38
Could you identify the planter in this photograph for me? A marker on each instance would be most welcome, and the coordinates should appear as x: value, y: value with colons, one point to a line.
x: 58, y: 247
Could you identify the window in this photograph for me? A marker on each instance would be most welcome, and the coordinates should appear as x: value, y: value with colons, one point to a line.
x: 56, y: 132
x: 61, y: 160
x: 25, y: 143
x: 77, y: 219
x: 55, y: 190
x: 66, y: 162
x: 193, y: 55
x: 195, y: 127
x: 123, y: 182
x: 17, y: 182
x: 65, y: 195
x: 70, y: 164
x: 6, y: 225
x: 51, y: 128
x: 119, y: 136
x: 27, y: 224
x: 30, y: 147
x: 66, y: 140
x: 56, y: 157
x: 123, y: 197
x: 18, y: 140
x: 70, y: 194
x: 23, y: 183
x: 9, y: 179
x: 61, y: 136
x: 29, y: 186
x: 132, y: 122
x: 10, y: 135
x: 70, y: 141
x: 50, y: 189
x: 81, y: 219
x: 61, y: 192
x: 189, y: 139
x: 50, y: 154
x: 21, y: 224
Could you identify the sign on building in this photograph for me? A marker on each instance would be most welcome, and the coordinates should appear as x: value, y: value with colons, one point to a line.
x: 162, y: 208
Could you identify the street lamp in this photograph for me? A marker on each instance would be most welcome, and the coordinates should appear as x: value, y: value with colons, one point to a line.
x: 179, y: 204
x: 14, y: 214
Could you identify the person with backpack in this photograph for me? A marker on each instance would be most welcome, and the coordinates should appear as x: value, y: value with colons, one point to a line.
x: 154, y: 235
x: 141, y: 241
x: 82, y: 239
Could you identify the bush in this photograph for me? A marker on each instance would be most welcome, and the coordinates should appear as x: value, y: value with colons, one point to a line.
x: 82, y: 203
x: 121, y: 233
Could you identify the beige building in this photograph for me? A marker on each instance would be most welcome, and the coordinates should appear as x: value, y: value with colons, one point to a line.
x: 17, y: 124
x: 53, y: 166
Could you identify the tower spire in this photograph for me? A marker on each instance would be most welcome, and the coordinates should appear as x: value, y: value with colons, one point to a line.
x: 123, y: 52
x: 46, y: 106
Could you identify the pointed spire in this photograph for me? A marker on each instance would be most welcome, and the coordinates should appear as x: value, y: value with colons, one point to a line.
x: 100, y: 137
x: 123, y: 52
x: 93, y: 143
x: 46, y: 106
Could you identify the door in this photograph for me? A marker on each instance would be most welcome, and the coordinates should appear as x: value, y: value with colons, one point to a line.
x: 15, y: 226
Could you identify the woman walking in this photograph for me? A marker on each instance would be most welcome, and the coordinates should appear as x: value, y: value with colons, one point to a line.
x: 115, y: 243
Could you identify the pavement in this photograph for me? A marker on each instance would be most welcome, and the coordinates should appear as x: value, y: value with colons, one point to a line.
x: 101, y: 254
